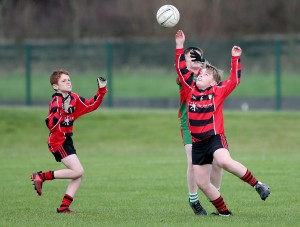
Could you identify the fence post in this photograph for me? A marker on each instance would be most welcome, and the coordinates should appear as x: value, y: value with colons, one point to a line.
x: 109, y: 74
x: 278, y: 73
x: 28, y: 74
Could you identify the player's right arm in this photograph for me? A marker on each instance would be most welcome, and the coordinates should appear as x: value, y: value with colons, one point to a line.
x: 56, y: 114
x: 185, y: 76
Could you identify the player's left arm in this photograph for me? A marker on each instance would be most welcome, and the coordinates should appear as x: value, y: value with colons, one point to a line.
x: 227, y: 86
x: 84, y: 105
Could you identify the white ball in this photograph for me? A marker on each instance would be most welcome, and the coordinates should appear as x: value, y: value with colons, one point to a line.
x: 167, y: 16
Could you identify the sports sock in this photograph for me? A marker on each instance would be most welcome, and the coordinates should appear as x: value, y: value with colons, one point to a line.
x: 220, y: 205
x: 193, y: 197
x: 66, y: 202
x: 48, y: 175
x: 249, y: 178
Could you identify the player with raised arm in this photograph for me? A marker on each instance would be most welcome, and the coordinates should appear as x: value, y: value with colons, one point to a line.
x: 66, y: 107
x: 192, y: 68
x: 205, y: 101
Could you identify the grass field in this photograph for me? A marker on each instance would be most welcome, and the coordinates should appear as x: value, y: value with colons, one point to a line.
x: 135, y: 170
x: 143, y: 83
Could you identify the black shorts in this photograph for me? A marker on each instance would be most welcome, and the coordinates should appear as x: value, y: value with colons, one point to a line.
x: 203, y: 151
x: 65, y: 150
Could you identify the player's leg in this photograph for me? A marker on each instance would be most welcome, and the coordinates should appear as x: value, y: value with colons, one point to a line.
x: 38, y: 178
x: 74, y: 168
x: 191, y: 182
x: 202, y: 173
x: 67, y: 149
x: 223, y: 159
x: 74, y: 172
x: 216, y: 175
x: 202, y: 158
x: 192, y: 185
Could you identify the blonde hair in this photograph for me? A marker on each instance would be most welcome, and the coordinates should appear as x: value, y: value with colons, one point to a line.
x: 217, y: 74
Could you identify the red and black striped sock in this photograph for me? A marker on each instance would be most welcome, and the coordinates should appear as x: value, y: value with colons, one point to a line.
x: 48, y: 175
x: 65, y: 203
x: 220, y: 205
x: 249, y: 178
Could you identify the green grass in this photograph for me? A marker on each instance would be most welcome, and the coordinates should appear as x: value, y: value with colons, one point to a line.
x: 141, y: 84
x: 135, y: 169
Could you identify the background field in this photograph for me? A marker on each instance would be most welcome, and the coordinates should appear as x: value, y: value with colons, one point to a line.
x: 141, y: 85
x: 141, y: 73
x: 135, y: 170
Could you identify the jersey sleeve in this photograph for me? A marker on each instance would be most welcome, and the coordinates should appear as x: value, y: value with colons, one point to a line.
x: 225, y: 87
x: 185, y: 76
x: 84, y: 106
x: 55, y: 114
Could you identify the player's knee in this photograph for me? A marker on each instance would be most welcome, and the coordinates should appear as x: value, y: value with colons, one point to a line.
x: 81, y: 176
x: 216, y: 166
x: 224, y: 163
x: 79, y: 173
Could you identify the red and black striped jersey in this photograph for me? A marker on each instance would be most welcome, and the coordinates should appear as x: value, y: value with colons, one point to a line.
x: 188, y: 75
x: 60, y: 122
x: 205, y: 107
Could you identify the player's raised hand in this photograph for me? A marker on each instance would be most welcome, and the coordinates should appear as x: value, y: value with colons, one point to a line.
x: 236, y: 51
x: 196, y: 56
x: 179, y: 39
x: 101, y: 81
